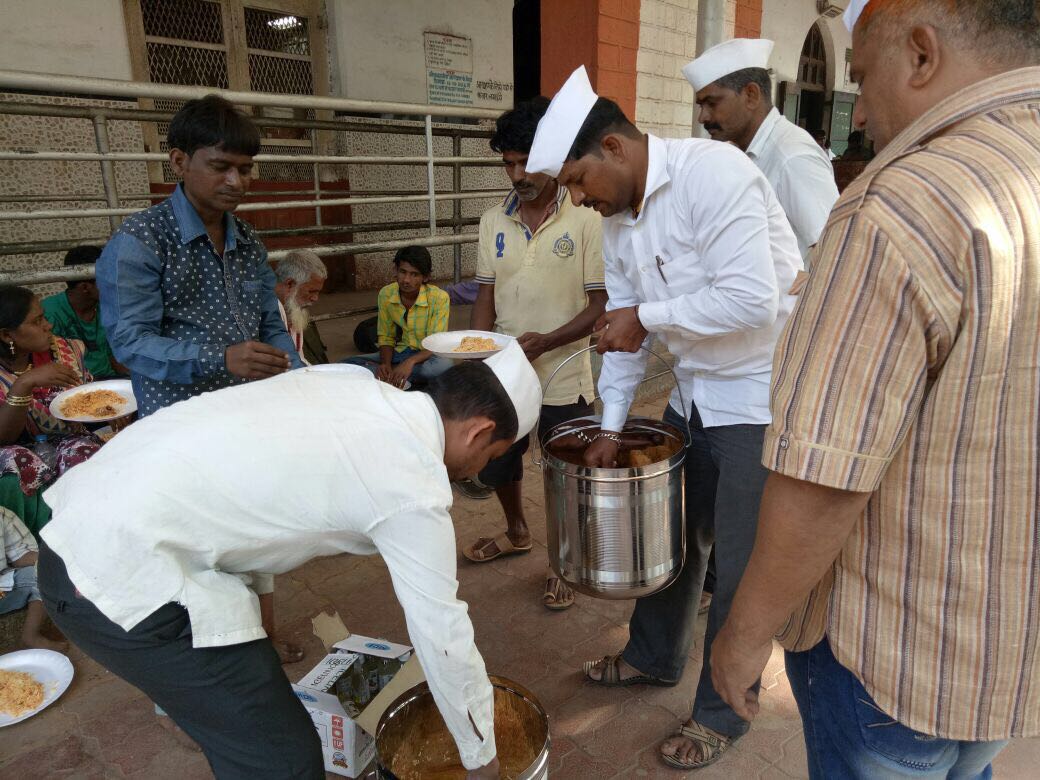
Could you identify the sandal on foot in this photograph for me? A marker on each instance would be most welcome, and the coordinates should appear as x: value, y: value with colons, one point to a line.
x: 503, y: 546
x: 549, y: 598
x: 710, y: 745
x: 611, y: 676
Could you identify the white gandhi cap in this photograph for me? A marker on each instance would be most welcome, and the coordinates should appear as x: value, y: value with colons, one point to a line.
x: 559, y: 127
x: 728, y: 57
x: 852, y: 13
x: 521, y: 384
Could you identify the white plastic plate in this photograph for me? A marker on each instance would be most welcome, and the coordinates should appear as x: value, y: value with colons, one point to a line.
x: 52, y: 670
x: 121, y: 386
x: 444, y: 344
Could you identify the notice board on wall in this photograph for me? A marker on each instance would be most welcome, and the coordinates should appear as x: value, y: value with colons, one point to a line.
x: 449, y: 69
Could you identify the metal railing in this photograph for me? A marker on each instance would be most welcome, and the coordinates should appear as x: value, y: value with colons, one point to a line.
x: 317, y: 198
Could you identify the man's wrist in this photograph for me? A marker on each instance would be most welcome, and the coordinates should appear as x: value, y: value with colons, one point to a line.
x: 213, y: 358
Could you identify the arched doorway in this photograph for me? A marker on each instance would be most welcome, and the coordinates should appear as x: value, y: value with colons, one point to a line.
x: 812, y: 80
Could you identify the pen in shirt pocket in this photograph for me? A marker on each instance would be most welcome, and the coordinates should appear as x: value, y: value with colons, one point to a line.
x: 660, y: 270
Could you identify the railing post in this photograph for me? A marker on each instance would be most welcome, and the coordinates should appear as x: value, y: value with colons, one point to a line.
x: 317, y: 180
x: 456, y: 209
x: 108, y: 168
x: 430, y: 183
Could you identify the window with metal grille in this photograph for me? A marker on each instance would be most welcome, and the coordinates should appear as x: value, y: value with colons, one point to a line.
x: 189, y: 42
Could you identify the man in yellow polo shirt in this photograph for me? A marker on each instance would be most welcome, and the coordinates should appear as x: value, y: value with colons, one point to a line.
x: 540, y: 269
x: 410, y: 309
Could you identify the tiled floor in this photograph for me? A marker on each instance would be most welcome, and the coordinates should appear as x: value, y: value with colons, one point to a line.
x: 103, y: 728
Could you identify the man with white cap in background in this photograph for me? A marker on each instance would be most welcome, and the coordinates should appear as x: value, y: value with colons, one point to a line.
x: 155, y: 555
x: 697, y: 252
x: 897, y: 557
x: 734, y: 92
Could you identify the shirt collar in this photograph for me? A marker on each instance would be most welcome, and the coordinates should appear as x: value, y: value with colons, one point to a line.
x: 1004, y: 89
x: 762, y: 135
x: 656, y: 175
x: 422, y: 299
x: 190, y: 223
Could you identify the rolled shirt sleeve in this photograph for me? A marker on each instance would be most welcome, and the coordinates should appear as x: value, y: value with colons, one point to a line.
x: 129, y: 276
x: 418, y: 545
x: 851, y: 367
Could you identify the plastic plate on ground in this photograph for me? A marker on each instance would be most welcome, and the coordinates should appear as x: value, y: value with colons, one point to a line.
x: 445, y: 344
x: 52, y: 670
x: 121, y: 387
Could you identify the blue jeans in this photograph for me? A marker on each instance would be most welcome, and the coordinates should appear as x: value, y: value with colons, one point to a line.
x: 430, y: 368
x: 848, y: 736
x: 724, y: 481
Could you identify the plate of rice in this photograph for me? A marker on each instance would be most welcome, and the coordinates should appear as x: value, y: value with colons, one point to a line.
x: 30, y: 681
x: 95, y: 402
x: 466, y: 344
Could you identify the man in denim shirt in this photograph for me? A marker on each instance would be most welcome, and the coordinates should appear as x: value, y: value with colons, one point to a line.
x: 187, y: 295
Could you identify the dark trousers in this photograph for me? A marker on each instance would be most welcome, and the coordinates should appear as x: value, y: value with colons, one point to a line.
x: 235, y: 701
x: 509, y: 466
x: 724, y: 482
x: 848, y: 735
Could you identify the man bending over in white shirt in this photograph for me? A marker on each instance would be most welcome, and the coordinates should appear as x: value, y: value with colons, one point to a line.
x: 155, y: 554
x: 697, y: 252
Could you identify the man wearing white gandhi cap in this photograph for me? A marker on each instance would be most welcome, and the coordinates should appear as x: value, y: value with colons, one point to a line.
x: 697, y: 252
x: 154, y: 556
x: 734, y: 92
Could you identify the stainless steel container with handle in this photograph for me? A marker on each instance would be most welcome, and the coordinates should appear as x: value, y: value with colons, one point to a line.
x: 412, y: 739
x: 616, y: 533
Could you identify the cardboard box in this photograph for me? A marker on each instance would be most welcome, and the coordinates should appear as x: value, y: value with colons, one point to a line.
x: 347, y: 747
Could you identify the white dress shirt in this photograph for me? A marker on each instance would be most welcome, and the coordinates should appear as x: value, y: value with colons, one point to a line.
x: 801, y: 175
x: 709, y: 261
x: 186, y: 504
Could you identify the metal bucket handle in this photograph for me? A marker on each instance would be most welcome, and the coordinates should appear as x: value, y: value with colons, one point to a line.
x: 678, y: 389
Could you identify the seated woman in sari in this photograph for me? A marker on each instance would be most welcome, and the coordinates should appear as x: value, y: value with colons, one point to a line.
x: 35, y: 366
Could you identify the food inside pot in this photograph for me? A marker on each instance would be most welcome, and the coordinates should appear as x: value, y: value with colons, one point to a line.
x: 421, y: 747
x: 638, y: 448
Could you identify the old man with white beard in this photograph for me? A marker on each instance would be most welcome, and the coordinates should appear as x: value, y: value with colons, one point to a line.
x: 300, y: 278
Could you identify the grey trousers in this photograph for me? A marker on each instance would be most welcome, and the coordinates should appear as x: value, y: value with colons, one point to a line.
x: 724, y: 482
x: 235, y: 701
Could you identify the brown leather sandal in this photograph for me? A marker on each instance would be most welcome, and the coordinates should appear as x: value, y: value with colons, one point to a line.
x: 710, y: 745
x: 612, y: 674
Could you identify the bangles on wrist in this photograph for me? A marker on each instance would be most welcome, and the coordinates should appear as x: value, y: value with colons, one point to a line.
x: 18, y: 400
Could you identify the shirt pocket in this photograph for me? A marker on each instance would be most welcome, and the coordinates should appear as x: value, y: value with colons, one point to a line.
x: 683, y: 267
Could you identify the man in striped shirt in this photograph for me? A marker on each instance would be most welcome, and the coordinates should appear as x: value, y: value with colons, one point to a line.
x: 898, y: 550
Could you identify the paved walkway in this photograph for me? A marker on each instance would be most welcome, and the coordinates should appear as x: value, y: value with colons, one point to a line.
x: 103, y: 728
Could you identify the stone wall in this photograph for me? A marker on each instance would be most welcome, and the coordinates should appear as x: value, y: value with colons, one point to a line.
x: 57, y: 180
x: 667, y: 41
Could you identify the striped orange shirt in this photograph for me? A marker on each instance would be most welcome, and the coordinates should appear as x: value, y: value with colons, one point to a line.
x: 910, y: 368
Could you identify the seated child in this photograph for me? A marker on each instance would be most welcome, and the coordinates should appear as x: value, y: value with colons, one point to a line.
x: 410, y: 309
x: 18, y: 580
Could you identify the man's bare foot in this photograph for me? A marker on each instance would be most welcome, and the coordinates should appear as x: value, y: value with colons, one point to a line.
x: 179, y: 734
x: 694, y: 746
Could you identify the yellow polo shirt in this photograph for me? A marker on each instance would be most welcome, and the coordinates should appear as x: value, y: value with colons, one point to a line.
x: 541, y: 282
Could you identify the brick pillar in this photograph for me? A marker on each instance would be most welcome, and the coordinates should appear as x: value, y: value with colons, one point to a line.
x: 602, y: 35
x: 748, y: 21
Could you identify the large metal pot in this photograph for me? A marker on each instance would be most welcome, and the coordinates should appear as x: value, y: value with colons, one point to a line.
x: 411, y: 736
x: 615, y: 533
